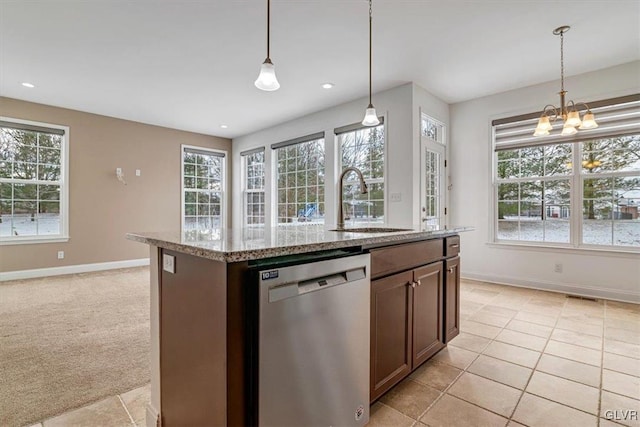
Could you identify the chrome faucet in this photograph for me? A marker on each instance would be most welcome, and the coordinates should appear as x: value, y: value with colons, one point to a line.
x: 363, y: 190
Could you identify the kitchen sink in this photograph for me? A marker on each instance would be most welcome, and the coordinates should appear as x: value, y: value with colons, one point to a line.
x: 372, y: 230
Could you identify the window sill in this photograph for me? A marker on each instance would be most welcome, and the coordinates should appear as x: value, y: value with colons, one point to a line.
x: 584, y: 250
x: 33, y: 240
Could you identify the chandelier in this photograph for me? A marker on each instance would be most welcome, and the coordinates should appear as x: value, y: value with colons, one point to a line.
x: 567, y: 111
x: 267, y: 78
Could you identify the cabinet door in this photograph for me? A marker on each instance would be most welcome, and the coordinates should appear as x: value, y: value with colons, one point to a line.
x: 390, y: 331
x: 452, y: 299
x: 427, y: 312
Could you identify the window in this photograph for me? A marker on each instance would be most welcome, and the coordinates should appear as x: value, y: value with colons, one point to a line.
x: 253, y: 186
x: 582, y: 191
x: 432, y: 171
x: 33, y: 182
x: 363, y: 148
x: 300, y: 179
x: 203, y: 188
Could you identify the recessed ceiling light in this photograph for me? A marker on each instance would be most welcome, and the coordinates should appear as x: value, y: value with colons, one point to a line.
x: 224, y: 126
x: 327, y: 85
x: 29, y: 85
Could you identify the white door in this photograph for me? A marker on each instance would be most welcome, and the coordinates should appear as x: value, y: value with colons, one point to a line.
x: 432, y: 178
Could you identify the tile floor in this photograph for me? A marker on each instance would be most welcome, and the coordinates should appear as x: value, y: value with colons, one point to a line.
x: 523, y: 357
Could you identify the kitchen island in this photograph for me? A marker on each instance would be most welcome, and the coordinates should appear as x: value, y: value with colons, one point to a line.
x: 200, y: 286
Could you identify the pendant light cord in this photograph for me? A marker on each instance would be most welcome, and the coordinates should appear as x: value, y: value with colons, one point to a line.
x: 370, y: 50
x: 268, y: 27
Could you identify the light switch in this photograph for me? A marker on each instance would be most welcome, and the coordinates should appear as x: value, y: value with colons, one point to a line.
x: 169, y: 263
x: 396, y: 197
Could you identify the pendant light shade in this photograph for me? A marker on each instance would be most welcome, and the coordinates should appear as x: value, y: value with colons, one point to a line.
x: 573, y: 119
x: 267, y: 79
x: 370, y: 115
x: 588, y: 121
x: 568, y: 130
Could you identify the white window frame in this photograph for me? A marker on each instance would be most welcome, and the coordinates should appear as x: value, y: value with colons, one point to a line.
x: 246, y: 191
x: 64, y: 190
x: 576, y: 182
x: 353, y: 180
x: 223, y: 197
x: 441, y: 147
x: 274, y: 181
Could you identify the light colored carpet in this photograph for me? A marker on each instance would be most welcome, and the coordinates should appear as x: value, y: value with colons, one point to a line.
x: 69, y: 340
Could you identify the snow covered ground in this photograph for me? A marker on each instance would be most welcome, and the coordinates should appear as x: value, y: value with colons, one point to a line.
x: 22, y: 225
x: 595, y: 232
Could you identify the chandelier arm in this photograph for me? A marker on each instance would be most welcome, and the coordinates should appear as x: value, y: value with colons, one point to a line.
x: 552, y: 109
x: 582, y: 103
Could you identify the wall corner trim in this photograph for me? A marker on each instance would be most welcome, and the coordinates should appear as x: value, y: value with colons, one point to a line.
x: 565, y: 288
x: 72, y: 269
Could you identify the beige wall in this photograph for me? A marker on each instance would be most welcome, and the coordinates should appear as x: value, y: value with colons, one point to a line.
x: 101, y: 209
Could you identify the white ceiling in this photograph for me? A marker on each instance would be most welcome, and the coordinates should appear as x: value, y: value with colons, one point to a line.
x: 191, y: 64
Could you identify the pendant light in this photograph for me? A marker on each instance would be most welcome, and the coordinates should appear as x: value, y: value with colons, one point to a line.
x: 370, y: 115
x: 568, y: 112
x: 267, y: 78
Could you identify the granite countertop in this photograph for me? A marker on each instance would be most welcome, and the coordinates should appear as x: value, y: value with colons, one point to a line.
x: 242, y: 244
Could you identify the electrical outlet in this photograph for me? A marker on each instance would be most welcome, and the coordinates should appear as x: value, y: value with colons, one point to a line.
x: 119, y: 171
x: 557, y: 267
x: 138, y: 173
x: 396, y: 197
x: 60, y: 254
x: 169, y: 263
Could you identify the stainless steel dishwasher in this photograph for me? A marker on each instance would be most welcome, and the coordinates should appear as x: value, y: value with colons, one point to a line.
x: 313, y: 352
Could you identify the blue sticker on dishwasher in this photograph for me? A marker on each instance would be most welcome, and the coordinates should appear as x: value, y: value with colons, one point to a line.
x: 266, y: 275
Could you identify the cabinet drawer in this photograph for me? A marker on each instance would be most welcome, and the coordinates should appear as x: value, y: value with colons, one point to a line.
x: 390, y: 259
x: 451, y: 246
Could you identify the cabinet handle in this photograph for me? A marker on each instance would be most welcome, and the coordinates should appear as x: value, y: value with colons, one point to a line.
x: 419, y: 282
x: 412, y: 284
x: 450, y: 270
x: 455, y: 245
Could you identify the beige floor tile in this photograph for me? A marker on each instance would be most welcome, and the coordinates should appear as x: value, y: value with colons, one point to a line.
x: 37, y: 425
x: 498, y: 310
x: 490, y: 319
x: 382, y: 415
x: 522, y: 340
x: 581, y: 317
x: 513, y: 354
x: 510, y: 302
x: 479, y: 329
x: 627, y: 306
x: 623, y: 335
x: 450, y: 411
x: 105, y: 413
x: 622, y: 324
x: 436, y: 375
x: 410, y: 397
x: 537, y: 308
x: 481, y: 295
x: 566, y: 392
x: 539, y: 319
x: 456, y: 357
x: 622, y: 348
x: 626, y: 365
x: 577, y: 338
x: 577, y: 326
x: 619, y: 383
x: 615, y: 408
x: 574, y: 352
x: 535, y: 411
x: 530, y: 328
x: 485, y: 393
x: 622, y: 314
x: 569, y: 369
x: 136, y: 402
x: 515, y: 424
x: 501, y: 371
x: 470, y: 342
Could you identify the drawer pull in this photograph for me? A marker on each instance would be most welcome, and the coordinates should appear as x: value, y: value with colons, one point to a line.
x: 455, y: 245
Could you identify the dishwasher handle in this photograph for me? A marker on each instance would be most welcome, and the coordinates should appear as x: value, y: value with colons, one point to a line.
x: 288, y: 290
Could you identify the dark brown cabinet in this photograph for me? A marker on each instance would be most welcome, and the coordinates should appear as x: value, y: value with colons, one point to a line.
x: 452, y: 299
x: 427, y: 312
x: 415, y: 311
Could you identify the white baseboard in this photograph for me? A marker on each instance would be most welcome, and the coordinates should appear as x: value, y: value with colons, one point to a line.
x: 581, y: 290
x: 72, y: 269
